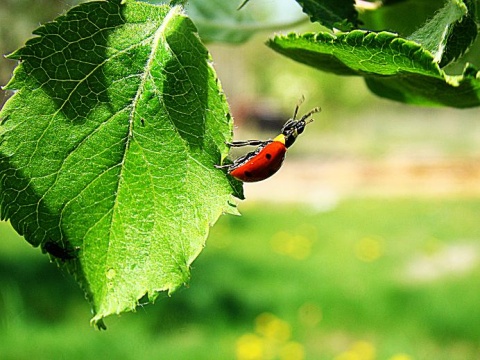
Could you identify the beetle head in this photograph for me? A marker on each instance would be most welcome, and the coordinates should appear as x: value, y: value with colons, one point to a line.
x: 293, y: 127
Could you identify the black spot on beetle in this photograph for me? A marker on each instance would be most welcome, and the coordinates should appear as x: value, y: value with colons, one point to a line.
x: 248, y: 174
x: 268, y: 156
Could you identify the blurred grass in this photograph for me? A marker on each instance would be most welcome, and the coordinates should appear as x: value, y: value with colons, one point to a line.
x: 336, y: 282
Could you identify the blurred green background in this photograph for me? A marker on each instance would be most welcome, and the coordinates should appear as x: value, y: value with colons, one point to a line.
x: 365, y: 246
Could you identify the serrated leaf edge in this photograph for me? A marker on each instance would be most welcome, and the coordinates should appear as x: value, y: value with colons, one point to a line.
x: 352, y: 37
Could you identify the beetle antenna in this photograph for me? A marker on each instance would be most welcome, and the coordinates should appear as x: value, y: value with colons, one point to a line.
x: 242, y: 5
x: 310, y: 113
x: 299, y: 102
x: 295, y: 112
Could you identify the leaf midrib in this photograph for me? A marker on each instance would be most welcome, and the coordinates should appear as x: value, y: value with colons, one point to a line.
x: 157, y: 40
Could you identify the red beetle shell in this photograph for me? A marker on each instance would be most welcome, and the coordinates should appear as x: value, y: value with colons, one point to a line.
x: 261, y: 165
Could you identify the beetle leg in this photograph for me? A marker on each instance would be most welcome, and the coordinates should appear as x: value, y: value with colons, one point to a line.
x: 241, y: 159
x: 234, y: 164
x: 246, y: 143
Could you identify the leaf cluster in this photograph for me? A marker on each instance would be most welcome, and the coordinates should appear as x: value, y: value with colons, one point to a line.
x: 415, y: 52
x: 409, y: 68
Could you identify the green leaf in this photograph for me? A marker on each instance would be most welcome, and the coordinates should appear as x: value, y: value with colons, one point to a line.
x: 449, y: 34
x: 356, y: 52
x: 387, y: 61
x: 107, y: 149
x: 339, y: 14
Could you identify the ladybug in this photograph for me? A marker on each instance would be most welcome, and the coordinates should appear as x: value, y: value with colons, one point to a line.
x: 268, y: 157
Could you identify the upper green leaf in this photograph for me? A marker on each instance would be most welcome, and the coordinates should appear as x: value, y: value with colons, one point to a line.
x: 108, y: 145
x: 357, y: 52
x: 401, y: 69
x: 339, y: 14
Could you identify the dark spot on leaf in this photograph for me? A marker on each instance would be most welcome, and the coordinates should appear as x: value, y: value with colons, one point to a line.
x: 58, y: 251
